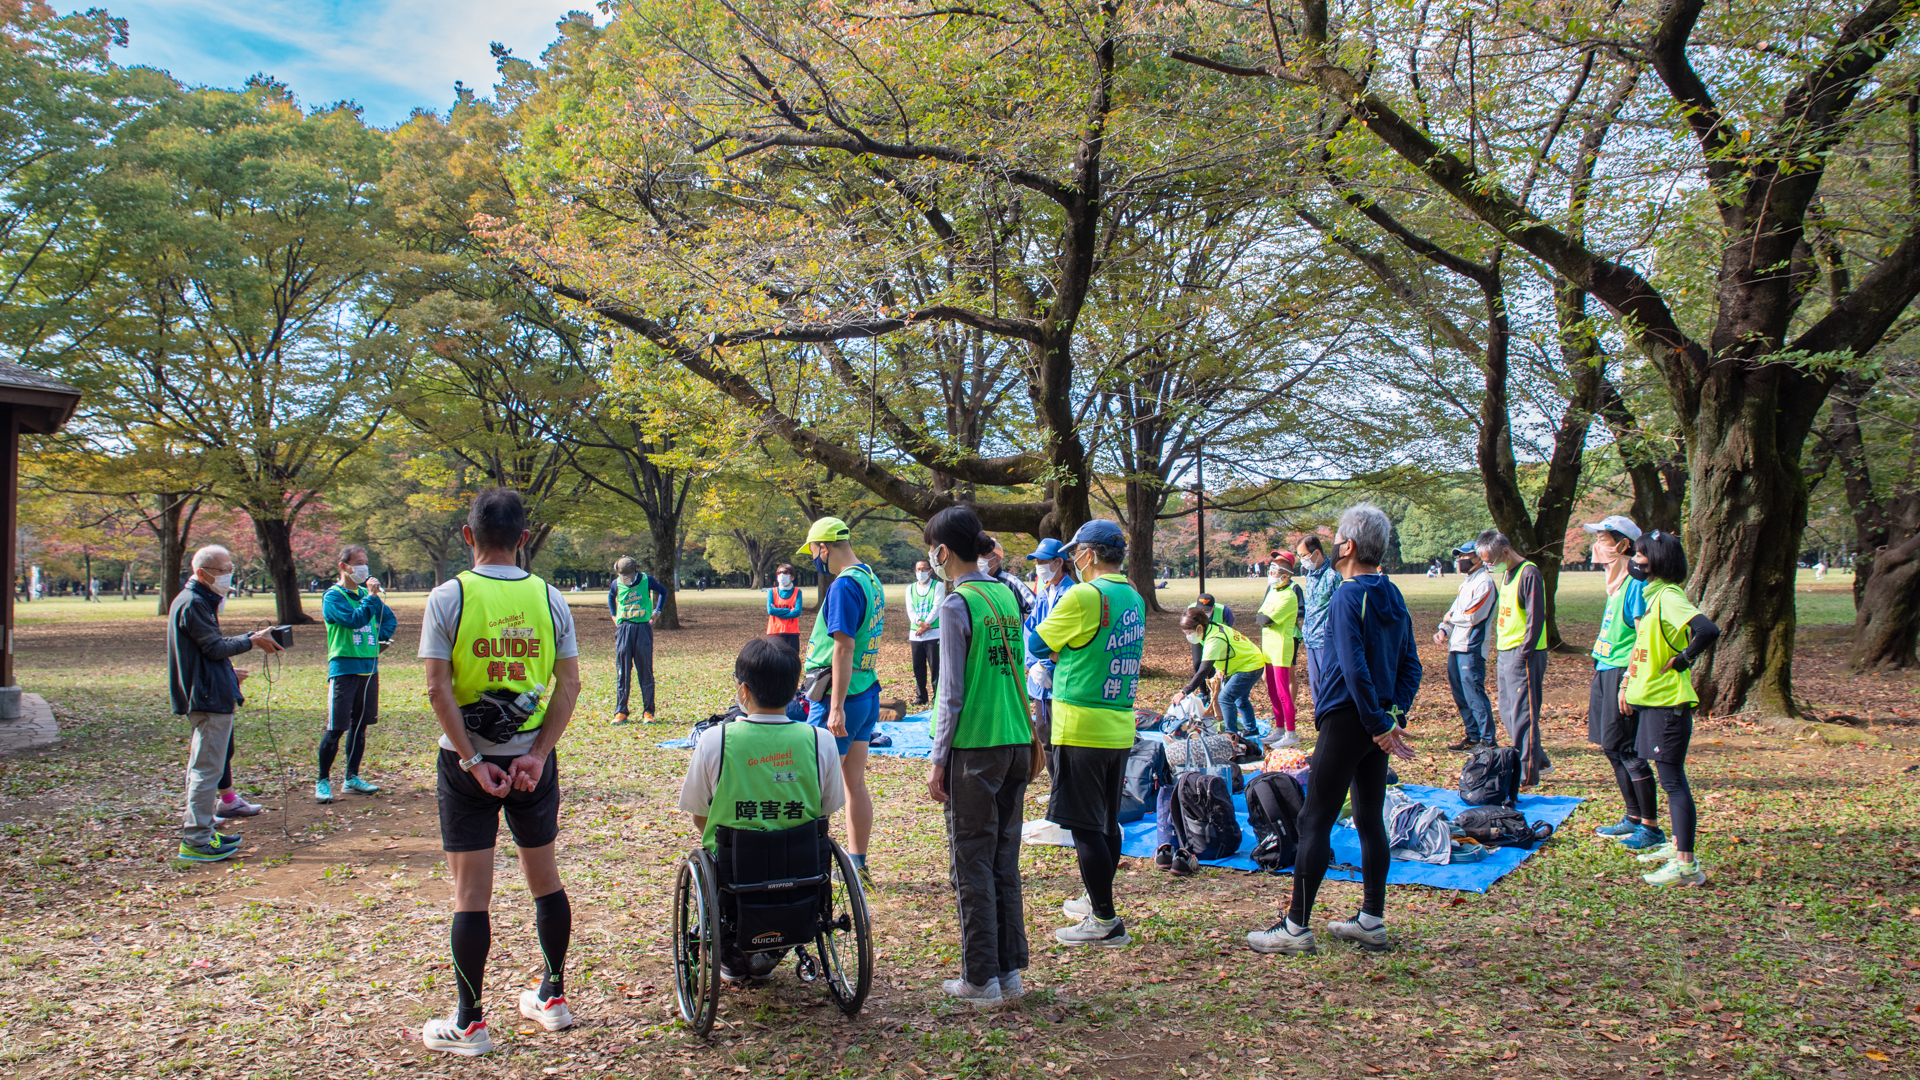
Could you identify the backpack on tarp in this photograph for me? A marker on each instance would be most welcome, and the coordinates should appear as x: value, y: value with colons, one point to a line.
x: 1500, y: 826
x: 1491, y: 777
x: 1146, y: 772
x: 1204, y: 820
x: 1146, y: 719
x: 1274, y: 802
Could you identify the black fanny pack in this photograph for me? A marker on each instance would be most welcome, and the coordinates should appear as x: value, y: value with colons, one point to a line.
x: 495, y: 717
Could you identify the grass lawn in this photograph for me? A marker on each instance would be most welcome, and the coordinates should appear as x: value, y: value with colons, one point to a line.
x: 326, y: 947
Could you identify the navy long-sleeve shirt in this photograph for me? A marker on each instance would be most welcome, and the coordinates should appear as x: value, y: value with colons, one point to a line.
x: 1370, y: 663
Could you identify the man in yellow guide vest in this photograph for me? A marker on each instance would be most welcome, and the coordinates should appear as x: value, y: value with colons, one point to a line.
x: 502, y: 676
x: 1520, y: 634
x: 633, y: 599
x: 839, y: 665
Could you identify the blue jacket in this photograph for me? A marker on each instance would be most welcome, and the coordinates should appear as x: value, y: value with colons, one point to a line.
x: 354, y: 610
x: 1369, y: 664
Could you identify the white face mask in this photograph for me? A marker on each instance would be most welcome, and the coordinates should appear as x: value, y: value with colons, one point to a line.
x: 1194, y: 638
x: 1049, y: 573
x: 360, y: 573
x: 985, y: 564
x: 922, y: 575
x: 223, y: 583
x: 785, y: 580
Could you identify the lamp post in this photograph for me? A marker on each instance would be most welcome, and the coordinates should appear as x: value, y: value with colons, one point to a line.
x: 1199, y: 490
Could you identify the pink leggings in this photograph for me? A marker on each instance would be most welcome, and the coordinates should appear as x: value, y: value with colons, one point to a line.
x: 1280, y: 693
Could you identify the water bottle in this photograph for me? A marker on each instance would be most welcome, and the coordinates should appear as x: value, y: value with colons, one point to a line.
x: 529, y: 700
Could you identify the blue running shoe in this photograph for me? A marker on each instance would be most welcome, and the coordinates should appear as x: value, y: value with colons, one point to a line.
x: 361, y: 787
x: 204, y: 852
x: 1624, y: 827
x: 323, y: 792
x: 1644, y: 837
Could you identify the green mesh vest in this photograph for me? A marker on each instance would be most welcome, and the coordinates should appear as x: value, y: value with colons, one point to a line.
x: 769, y: 779
x: 635, y: 601
x: 1105, y: 672
x: 993, y: 711
x: 866, y: 643
x: 359, y: 643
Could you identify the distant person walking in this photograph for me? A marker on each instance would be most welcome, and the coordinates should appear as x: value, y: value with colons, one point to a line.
x: 1520, y: 633
x: 842, y: 654
x: 633, y: 599
x: 359, y: 628
x: 1317, y: 579
x: 1369, y: 675
x: 1463, y: 630
x: 205, y: 689
x: 982, y: 760
x: 1668, y: 639
x: 924, y: 597
x: 1279, y: 621
x: 1096, y: 634
x: 784, y: 603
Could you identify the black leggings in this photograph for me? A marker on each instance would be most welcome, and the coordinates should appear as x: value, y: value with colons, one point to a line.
x: 1345, y: 759
x: 1635, y: 778
x: 353, y: 704
x: 226, y: 778
x: 1673, y: 780
x: 1099, y: 854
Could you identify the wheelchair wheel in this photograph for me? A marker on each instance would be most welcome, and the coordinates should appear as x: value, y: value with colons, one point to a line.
x: 846, y: 944
x: 696, y: 942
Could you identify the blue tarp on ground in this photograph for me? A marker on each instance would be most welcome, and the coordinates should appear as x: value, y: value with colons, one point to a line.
x: 911, y: 738
x: 1138, y: 842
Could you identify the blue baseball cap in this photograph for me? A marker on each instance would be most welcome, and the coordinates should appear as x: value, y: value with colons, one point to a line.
x: 1464, y: 549
x: 1048, y: 549
x: 1099, y: 531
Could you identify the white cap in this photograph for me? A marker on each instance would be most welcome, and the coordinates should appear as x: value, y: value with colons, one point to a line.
x: 1619, y: 523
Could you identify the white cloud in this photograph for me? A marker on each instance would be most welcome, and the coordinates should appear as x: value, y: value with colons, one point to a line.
x: 390, y: 57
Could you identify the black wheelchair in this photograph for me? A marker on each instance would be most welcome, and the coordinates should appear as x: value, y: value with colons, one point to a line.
x: 770, y: 893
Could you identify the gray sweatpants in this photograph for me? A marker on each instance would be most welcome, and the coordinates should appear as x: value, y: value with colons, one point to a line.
x: 985, y: 792
x: 206, y: 762
x: 1520, y: 675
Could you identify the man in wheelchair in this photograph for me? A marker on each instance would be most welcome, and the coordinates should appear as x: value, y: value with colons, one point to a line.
x: 755, y: 777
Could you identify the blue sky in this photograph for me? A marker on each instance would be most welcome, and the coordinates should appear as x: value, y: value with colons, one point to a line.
x: 389, y: 56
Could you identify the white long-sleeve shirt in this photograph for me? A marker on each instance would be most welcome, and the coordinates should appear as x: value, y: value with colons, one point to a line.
x: 1472, y: 606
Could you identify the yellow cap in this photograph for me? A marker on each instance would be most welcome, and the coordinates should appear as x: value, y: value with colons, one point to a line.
x: 828, y: 530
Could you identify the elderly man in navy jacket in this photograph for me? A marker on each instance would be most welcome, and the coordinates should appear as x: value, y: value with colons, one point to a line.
x: 1366, y: 681
x: 206, y: 690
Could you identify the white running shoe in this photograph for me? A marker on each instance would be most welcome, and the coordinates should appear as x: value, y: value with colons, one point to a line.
x: 1111, y: 933
x: 551, y: 1014
x: 1374, y: 940
x: 1279, y: 940
x: 1281, y: 739
x: 444, y: 1033
x: 1010, y: 988
x: 1077, y: 908
x: 237, y: 807
x: 985, y: 996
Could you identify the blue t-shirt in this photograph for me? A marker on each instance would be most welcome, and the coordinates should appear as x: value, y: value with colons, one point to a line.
x: 845, y: 611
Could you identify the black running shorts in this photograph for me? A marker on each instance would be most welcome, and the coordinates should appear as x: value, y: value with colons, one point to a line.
x: 470, y: 818
x: 1086, y: 787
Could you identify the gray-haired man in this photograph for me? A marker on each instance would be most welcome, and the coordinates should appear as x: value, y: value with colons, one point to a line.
x: 206, y: 690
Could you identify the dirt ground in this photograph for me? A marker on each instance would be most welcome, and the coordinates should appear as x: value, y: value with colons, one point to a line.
x: 324, y: 948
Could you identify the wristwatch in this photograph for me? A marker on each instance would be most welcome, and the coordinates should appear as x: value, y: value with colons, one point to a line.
x: 467, y: 764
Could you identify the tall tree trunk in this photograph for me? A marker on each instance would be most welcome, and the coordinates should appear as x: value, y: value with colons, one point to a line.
x: 1143, y: 508
x: 1886, y: 540
x: 275, y: 535
x: 172, y: 524
x: 664, y: 529
x: 1886, y: 624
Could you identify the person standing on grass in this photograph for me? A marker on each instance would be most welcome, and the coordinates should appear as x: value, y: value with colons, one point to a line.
x: 1667, y: 641
x: 1463, y: 630
x: 1279, y: 622
x: 1368, y: 678
x: 1318, y: 579
x: 1612, y: 730
x: 359, y: 627
x: 1520, y: 635
x: 841, y: 656
x: 924, y: 597
x: 503, y: 676
x: 205, y: 689
x: 1055, y: 576
x: 1236, y: 660
x: 1096, y: 635
x: 633, y: 598
x: 982, y: 760
x: 784, y: 602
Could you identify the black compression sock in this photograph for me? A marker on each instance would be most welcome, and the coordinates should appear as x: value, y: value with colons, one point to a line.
x: 553, y: 923
x: 470, y: 938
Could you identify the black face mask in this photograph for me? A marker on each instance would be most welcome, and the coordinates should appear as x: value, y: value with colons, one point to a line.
x: 1638, y: 571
